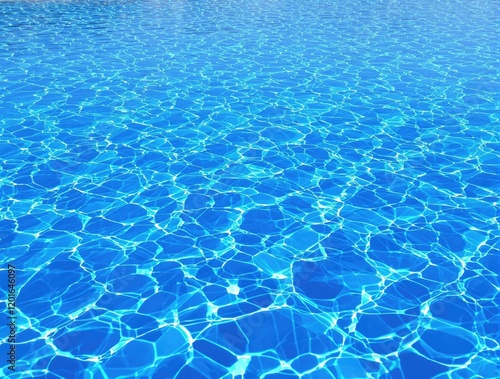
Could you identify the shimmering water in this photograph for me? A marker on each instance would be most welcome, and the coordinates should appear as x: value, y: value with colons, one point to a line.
x: 251, y: 188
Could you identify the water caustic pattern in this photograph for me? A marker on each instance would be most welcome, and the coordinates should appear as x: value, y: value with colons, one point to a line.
x: 252, y: 188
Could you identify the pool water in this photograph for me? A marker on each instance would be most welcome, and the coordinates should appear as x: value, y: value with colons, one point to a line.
x: 198, y: 189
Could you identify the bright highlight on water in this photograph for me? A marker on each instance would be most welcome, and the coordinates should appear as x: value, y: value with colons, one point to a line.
x: 196, y: 189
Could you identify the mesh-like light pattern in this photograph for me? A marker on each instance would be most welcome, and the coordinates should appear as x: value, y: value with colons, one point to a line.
x: 251, y: 188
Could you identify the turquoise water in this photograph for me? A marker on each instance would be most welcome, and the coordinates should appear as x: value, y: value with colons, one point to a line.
x: 251, y: 189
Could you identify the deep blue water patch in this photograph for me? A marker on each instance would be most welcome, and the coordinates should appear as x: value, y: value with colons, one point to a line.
x: 251, y: 189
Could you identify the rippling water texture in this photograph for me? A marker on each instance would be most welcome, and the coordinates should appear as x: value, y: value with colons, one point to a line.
x: 251, y: 188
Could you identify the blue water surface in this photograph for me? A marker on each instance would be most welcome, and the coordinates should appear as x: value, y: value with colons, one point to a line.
x: 243, y: 189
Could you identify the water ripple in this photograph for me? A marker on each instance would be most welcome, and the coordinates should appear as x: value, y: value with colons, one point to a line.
x: 254, y: 189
